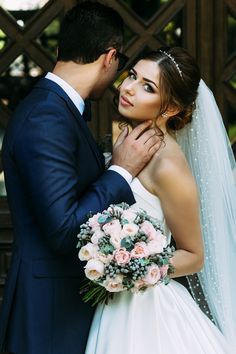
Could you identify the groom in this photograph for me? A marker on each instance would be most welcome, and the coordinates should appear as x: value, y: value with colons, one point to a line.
x: 54, y: 177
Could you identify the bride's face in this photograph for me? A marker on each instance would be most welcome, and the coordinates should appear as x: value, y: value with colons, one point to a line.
x: 139, y: 97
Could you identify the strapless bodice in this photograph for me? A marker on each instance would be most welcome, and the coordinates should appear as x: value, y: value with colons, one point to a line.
x: 148, y: 202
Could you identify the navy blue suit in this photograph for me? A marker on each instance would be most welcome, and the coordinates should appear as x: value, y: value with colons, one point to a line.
x: 54, y: 176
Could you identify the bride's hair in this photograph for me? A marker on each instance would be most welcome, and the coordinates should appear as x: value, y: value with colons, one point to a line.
x: 178, y: 81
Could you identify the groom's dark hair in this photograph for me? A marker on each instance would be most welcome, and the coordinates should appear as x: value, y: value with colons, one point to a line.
x: 87, y: 31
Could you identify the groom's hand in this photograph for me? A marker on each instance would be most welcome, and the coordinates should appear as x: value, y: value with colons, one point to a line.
x: 133, y: 151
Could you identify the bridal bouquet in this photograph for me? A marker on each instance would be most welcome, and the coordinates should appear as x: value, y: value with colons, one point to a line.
x: 124, y: 249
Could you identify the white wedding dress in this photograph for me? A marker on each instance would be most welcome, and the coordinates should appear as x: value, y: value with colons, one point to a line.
x: 162, y: 320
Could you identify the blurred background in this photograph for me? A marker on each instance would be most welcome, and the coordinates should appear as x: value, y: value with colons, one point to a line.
x: 28, y: 43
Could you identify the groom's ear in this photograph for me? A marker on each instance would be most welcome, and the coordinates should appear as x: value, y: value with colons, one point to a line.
x: 109, y: 58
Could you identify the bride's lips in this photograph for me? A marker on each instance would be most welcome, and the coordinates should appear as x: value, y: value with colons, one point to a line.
x: 125, y: 102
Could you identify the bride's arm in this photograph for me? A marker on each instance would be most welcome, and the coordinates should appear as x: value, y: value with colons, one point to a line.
x: 176, y: 188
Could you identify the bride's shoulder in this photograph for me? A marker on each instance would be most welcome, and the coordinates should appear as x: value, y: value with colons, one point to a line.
x: 168, y: 172
x: 169, y: 158
x: 170, y: 167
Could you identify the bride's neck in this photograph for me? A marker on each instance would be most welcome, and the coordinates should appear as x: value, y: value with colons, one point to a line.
x: 167, y: 134
x: 154, y: 125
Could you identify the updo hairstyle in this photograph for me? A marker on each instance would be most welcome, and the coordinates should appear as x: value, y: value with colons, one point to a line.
x: 179, y: 80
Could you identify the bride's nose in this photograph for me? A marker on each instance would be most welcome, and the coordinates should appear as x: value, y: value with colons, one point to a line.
x: 130, y: 89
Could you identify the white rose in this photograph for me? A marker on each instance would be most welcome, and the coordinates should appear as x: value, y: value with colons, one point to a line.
x: 112, y: 228
x: 93, y: 221
x: 138, y: 285
x: 87, y: 252
x: 114, y: 285
x: 115, y: 240
x: 129, y: 230
x: 129, y: 215
x: 96, y: 236
x: 104, y: 258
x: 94, y: 269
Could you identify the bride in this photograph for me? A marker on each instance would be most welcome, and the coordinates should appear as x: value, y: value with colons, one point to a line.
x: 188, y: 185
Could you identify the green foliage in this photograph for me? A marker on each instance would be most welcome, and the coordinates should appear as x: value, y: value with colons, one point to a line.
x: 232, y: 132
x: 2, y: 39
x: 107, y: 249
x: 127, y: 243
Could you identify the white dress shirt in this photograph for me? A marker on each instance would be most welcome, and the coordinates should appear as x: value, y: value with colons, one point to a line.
x: 79, y: 103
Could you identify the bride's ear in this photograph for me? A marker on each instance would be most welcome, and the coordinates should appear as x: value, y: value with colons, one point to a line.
x: 172, y: 111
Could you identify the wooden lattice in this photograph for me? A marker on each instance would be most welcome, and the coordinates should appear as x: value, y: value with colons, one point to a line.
x: 203, y: 32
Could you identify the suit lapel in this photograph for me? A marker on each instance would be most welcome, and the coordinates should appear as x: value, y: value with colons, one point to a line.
x: 52, y: 86
x: 98, y: 154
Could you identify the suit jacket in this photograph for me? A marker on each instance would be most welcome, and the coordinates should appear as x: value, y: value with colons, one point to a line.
x: 54, y: 176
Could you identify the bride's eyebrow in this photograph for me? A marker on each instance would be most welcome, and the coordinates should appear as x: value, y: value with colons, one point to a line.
x: 144, y: 78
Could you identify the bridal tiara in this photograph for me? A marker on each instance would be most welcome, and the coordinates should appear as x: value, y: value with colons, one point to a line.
x: 173, y: 60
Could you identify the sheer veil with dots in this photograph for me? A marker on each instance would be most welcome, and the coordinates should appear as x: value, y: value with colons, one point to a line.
x: 208, y: 151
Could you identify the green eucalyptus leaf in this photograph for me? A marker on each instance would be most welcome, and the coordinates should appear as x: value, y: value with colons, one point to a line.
x: 104, y: 218
x: 127, y: 243
x: 107, y: 248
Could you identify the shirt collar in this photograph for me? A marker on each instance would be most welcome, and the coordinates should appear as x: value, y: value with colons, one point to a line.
x: 74, y: 95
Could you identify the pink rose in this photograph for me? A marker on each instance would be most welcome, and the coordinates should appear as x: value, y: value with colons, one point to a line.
x: 149, y: 230
x: 153, y: 275
x: 129, y: 230
x: 140, y: 250
x: 112, y: 228
x: 156, y: 246
x: 114, y: 284
x: 164, y: 270
x: 122, y: 256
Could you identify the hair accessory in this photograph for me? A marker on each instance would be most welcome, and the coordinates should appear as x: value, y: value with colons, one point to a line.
x: 173, y: 60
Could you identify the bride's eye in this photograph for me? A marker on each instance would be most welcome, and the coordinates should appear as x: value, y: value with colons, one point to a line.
x: 148, y: 88
x: 132, y: 75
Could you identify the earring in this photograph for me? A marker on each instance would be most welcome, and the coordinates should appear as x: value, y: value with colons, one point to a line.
x: 164, y: 115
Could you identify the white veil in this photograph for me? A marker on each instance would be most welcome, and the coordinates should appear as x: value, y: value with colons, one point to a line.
x: 208, y: 151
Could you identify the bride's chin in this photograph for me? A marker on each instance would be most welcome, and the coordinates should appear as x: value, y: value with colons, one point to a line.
x: 127, y: 116
x: 124, y: 113
x: 122, y: 110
